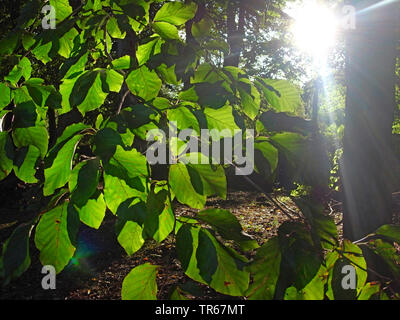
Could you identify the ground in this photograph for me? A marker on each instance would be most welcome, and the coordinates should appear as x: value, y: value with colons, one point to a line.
x: 100, y: 263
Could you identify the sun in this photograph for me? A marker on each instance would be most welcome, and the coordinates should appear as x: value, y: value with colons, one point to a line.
x: 314, y: 29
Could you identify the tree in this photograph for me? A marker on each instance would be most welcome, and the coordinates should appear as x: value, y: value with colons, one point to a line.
x: 368, y: 154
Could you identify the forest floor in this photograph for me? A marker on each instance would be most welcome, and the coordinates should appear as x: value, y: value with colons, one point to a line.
x: 100, y: 264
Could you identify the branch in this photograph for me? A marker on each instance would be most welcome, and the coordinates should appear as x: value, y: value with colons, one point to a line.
x: 122, y: 101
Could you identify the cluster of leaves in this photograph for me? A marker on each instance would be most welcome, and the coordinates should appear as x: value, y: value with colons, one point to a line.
x: 94, y: 168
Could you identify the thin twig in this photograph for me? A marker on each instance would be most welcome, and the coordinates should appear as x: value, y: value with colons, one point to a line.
x: 358, y: 266
x: 122, y: 101
x: 267, y: 195
x: 288, y: 208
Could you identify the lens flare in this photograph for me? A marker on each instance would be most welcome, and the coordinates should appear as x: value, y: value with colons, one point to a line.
x: 314, y: 30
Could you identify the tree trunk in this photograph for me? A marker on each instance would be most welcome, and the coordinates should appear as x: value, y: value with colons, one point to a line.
x: 127, y: 46
x: 235, y: 32
x: 190, y: 39
x: 370, y: 104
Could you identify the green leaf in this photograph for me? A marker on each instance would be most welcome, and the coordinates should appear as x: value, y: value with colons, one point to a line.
x: 52, y: 238
x: 5, y: 95
x: 57, y: 173
x: 386, y: 256
x: 144, y: 83
x: 189, y: 95
x: 130, y: 237
x: 42, y: 51
x: 160, y: 219
x: 212, y: 95
x: 353, y: 253
x: 84, y: 181
x: 177, y: 294
x: 122, y: 63
x: 25, y: 112
x: 145, y: 51
x: 168, y: 74
x: 114, y: 80
x: 38, y: 91
x: 16, y: 259
x: 176, y: 13
x: 323, y: 227
x: 68, y: 133
x: 114, y: 30
x: 161, y: 103
x: 116, y: 191
x: 391, y: 232
x: 156, y: 202
x: 184, y: 119
x: 166, y: 30
x: 265, y: 270
x: 36, y: 136
x: 293, y: 148
x: 22, y: 69
x: 250, y: 99
x: 140, y: 283
x: 6, y: 155
x: 207, y: 73
x: 227, y: 225
x: 283, y: 96
x: 28, y: 40
x: 72, y: 67
x: 66, y: 43
x: 229, y: 277
x: 25, y: 164
x: 213, y: 179
x: 290, y: 143
x: 269, y: 153
x: 203, y: 28
x: 63, y: 9
x: 9, y: 42
x: 369, y: 290
x: 94, y: 5
x: 88, y: 92
x: 339, y: 292
x: 206, y: 255
x: 127, y: 164
x: 93, y: 211
x: 221, y: 119
x: 293, y: 294
x: 134, y: 9
x: 301, y: 259
x: 185, y: 242
x: 279, y: 122
x: 182, y: 187
x: 105, y: 143
x: 315, y: 289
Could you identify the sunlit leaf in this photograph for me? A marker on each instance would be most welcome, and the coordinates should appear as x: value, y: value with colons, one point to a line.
x: 15, y: 258
x: 140, y: 283
x: 6, y: 155
x: 52, y: 238
x: 176, y: 13
x: 144, y: 83
x: 57, y: 172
